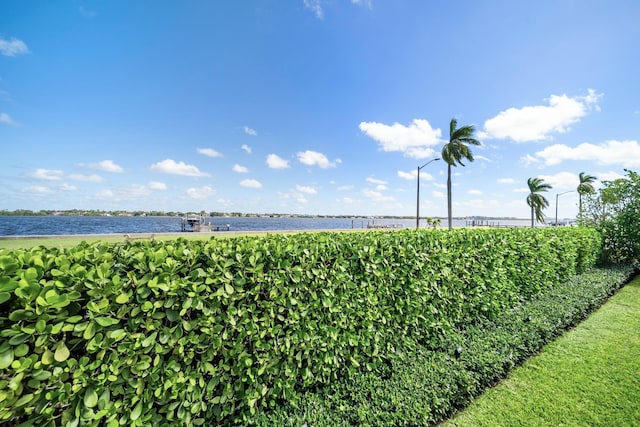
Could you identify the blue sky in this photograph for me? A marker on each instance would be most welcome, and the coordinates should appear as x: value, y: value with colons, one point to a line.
x: 312, y: 106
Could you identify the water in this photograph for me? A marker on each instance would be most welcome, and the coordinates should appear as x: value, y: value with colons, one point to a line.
x: 65, y: 225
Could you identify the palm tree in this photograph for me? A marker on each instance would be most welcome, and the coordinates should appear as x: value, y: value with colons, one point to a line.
x: 535, y: 199
x: 455, y: 150
x: 584, y: 187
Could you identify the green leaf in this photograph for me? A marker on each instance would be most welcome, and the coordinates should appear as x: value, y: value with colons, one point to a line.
x: 6, y: 358
x: 62, y: 352
x: 7, y: 284
x: 229, y: 289
x: 106, y: 321
x: 21, y: 350
x: 137, y: 411
x: 122, y: 298
x: 4, y: 296
x: 90, y: 398
x: 47, y: 357
x: 89, y: 331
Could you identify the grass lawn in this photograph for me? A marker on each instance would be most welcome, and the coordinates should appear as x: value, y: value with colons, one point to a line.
x: 588, y: 377
x: 26, y: 242
x: 68, y: 241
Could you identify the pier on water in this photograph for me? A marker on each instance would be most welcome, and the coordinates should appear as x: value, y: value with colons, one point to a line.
x: 197, y: 223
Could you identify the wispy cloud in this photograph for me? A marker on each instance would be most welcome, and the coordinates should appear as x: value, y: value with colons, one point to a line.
x: 48, y: 174
x: 251, y: 183
x: 104, y: 165
x: 239, y: 169
x: 506, y: 181
x: 7, y: 120
x: 377, y: 196
x: 276, y: 162
x: 316, y: 7
x: 410, y: 176
x: 209, y: 152
x: 200, y: 193
x: 624, y: 153
x: 159, y: 186
x: 246, y: 148
x: 312, y: 158
x: 250, y: 131
x: 86, y: 178
x: 413, y: 141
x: 13, y: 47
x: 177, y: 168
x: 306, y: 189
x: 562, y: 181
x: 372, y: 180
x: 365, y: 3
x: 539, y: 122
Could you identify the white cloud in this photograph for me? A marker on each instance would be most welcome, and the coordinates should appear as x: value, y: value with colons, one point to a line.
x: 316, y: 7
x: 625, y: 153
x: 346, y: 200
x: 376, y: 181
x: 608, y: 176
x: 250, y: 131
x: 306, y: 189
x: 411, y: 176
x: 7, y: 120
x: 251, y: 183
x: 104, y: 165
x: 293, y: 195
x: 521, y: 190
x: 474, y: 192
x: 506, y: 181
x: 67, y: 187
x: 37, y: 190
x: 537, y: 123
x: 438, y: 195
x: 376, y: 196
x: 155, y: 185
x: 365, y: 3
x: 104, y: 194
x: 128, y: 192
x: 239, y: 169
x: 177, y: 168
x: 276, y: 162
x: 209, y: 152
x: 413, y: 141
x: 528, y: 160
x: 86, y: 178
x: 345, y: 187
x: 381, y: 187
x: 312, y: 158
x: 200, y: 193
x: 561, y: 181
x: 48, y: 174
x: 246, y: 148
x: 13, y: 47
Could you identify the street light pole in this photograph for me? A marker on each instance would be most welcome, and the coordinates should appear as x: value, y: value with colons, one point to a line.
x: 558, y: 195
x: 418, y: 192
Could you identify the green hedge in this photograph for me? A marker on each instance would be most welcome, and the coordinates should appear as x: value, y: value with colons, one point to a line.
x: 426, y: 385
x: 201, y: 332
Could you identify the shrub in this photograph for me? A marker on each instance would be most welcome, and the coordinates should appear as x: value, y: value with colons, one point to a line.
x: 201, y: 332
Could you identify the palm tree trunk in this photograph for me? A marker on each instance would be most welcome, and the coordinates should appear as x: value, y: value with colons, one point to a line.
x: 579, y: 209
x: 531, y: 216
x: 449, y: 195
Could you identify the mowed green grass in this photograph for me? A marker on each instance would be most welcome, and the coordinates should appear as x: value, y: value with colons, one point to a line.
x: 588, y: 377
x: 27, y: 242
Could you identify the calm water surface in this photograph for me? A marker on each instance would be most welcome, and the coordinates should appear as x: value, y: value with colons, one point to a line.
x: 63, y: 225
